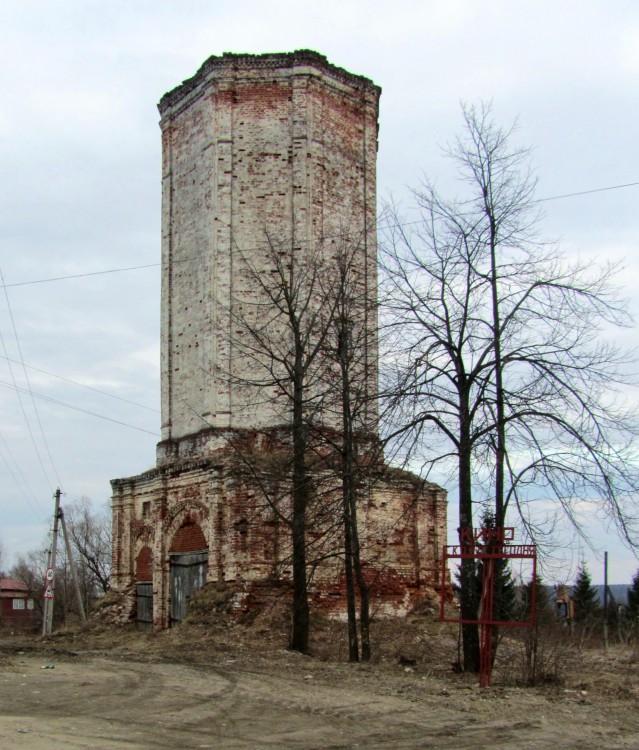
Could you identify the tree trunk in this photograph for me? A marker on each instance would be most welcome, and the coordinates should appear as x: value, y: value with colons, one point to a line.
x: 364, y: 601
x: 500, y: 448
x: 299, y: 635
x: 467, y: 577
x: 349, y: 483
x: 353, y: 645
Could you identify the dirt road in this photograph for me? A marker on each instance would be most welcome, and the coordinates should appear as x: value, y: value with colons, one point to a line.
x: 102, y: 700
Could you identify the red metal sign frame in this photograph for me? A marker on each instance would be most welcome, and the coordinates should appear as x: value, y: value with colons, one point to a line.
x: 489, y: 545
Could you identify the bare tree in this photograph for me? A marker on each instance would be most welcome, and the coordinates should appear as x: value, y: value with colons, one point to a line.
x: 351, y: 345
x: 280, y: 332
x: 90, y: 542
x: 308, y: 330
x: 90, y: 537
x: 501, y: 371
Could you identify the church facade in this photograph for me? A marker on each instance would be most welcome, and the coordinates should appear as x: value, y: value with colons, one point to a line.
x: 264, y: 157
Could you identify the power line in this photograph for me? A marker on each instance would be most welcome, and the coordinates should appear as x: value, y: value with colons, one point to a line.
x: 24, y: 412
x: 83, y: 385
x: 56, y: 401
x: 81, y: 275
x: 335, y: 236
x: 586, y: 192
x: 26, y: 375
x: 33, y: 500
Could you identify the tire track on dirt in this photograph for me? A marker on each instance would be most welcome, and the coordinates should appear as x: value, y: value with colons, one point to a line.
x: 101, y: 703
x: 114, y: 701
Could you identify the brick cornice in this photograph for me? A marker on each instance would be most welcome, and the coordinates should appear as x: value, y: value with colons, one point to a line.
x: 203, y: 464
x: 234, y: 63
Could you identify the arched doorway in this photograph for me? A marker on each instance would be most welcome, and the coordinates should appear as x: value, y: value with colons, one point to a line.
x: 189, y: 556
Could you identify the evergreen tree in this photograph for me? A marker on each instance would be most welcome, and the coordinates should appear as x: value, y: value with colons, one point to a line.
x: 505, y: 592
x: 584, y: 597
x: 633, y: 599
x: 545, y: 610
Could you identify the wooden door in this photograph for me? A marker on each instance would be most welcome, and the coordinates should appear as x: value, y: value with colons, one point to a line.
x: 144, y: 599
x: 188, y: 574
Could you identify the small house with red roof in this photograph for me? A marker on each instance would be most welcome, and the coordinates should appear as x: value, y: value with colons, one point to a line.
x: 17, y: 607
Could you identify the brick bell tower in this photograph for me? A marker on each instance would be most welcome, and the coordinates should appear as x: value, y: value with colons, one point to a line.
x: 255, y: 147
x: 281, y: 146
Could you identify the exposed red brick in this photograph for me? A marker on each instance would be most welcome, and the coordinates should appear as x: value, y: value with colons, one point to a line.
x: 189, y: 538
x: 144, y: 565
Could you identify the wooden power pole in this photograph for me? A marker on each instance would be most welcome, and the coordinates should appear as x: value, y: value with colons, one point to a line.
x: 49, y: 592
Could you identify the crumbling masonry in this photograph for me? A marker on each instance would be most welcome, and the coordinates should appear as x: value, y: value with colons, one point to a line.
x: 256, y: 146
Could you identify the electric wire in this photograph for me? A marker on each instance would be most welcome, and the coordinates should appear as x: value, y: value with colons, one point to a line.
x: 28, y: 493
x: 586, y: 192
x: 83, y: 385
x: 82, y: 275
x: 333, y: 236
x: 26, y: 376
x: 56, y: 401
x: 24, y: 414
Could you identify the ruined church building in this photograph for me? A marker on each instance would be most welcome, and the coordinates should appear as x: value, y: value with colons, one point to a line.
x: 253, y: 147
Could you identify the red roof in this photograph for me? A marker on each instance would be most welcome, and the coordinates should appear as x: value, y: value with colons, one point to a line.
x: 13, y: 584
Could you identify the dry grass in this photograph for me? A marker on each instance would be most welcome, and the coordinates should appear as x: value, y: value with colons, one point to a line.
x: 418, y: 643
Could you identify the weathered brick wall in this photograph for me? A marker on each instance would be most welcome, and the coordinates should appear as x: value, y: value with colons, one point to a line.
x: 188, y: 538
x: 277, y: 146
x: 222, y: 506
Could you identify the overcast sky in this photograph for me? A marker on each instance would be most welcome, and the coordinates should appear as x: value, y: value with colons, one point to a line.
x: 80, y: 176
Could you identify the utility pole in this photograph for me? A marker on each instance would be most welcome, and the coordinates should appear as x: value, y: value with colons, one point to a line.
x: 47, y: 619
